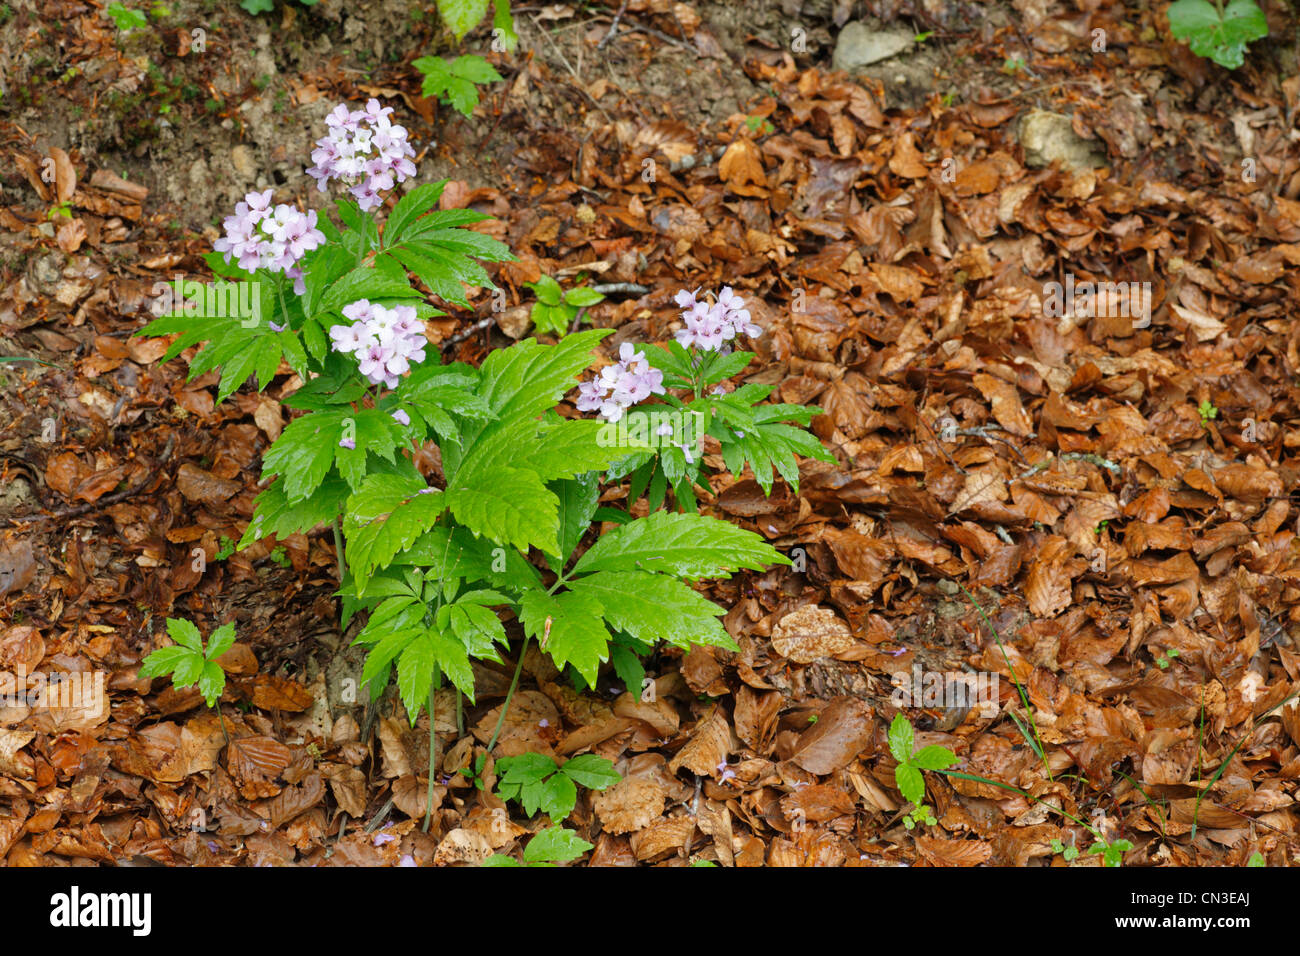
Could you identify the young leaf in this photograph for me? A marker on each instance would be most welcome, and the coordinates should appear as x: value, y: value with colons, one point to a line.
x: 185, y: 634
x: 555, y: 845
x: 901, y: 738
x: 592, y: 772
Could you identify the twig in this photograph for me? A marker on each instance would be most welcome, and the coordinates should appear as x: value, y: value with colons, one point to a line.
x: 109, y: 499
x: 984, y: 431
x: 467, y: 333
x: 620, y: 288
x: 613, y: 27
x: 382, y: 812
x: 1093, y: 459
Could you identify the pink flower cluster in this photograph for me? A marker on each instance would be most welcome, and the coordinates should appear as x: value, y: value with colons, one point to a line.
x: 262, y: 236
x: 365, y: 150
x: 385, y: 340
x: 709, y: 326
x: 619, y: 387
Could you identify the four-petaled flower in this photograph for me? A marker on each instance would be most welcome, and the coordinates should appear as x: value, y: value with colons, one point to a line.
x: 274, y: 238
x: 365, y: 150
x: 384, y: 340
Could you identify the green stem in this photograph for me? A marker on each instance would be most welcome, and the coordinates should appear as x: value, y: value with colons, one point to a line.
x: 433, y: 745
x: 1224, y: 766
x: 1007, y: 786
x: 510, y: 694
x: 338, y: 549
x: 1024, y: 695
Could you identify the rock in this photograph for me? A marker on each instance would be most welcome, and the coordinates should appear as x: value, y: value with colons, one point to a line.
x: 1047, y: 137
x: 241, y: 157
x: 861, y: 44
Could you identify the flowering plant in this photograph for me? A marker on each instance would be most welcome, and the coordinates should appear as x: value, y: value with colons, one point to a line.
x: 441, y: 559
x: 673, y: 429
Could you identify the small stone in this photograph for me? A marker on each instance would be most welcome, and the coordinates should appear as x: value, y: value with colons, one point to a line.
x: 241, y: 157
x: 1047, y: 137
x: 861, y: 44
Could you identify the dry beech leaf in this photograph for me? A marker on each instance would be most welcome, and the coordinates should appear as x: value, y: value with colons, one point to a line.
x: 843, y: 730
x: 279, y: 693
x: 348, y: 784
x: 708, y: 747
x: 662, y: 838
x: 810, y: 633
x: 631, y: 804
x: 462, y: 846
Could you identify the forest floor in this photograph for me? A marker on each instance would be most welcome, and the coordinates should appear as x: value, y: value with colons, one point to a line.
x: 1095, y: 505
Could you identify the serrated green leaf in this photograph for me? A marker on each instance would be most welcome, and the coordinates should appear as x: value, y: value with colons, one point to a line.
x: 376, y: 536
x: 220, y: 641
x: 557, y: 796
x: 512, y: 508
x: 475, y: 69
x: 529, y: 378
x: 415, y: 674
x: 162, y: 661
x: 276, y: 515
x: 461, y: 16
x: 910, y: 783
x: 933, y: 758
x: 185, y: 634
x: 577, y: 635
x: 590, y: 771
x: 654, y: 607
x: 578, y: 498
x: 555, y: 845
x: 212, y: 682
x: 901, y: 738
x: 685, y: 545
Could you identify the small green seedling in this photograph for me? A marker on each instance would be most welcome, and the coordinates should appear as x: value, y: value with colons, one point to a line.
x: 1217, y: 31
x: 553, y: 845
x: 759, y: 125
x: 1112, y: 854
x: 125, y: 18
x: 1068, y: 853
x: 189, y: 661
x: 456, y: 82
x: 1208, y: 413
x: 556, y: 309
x: 1164, y: 657
x: 1101, y: 527
x: 922, y: 37
x: 475, y: 774
x: 266, y: 6
x: 63, y: 209
x: 1256, y: 859
x: 1013, y: 65
x: 908, y: 772
x: 537, y: 782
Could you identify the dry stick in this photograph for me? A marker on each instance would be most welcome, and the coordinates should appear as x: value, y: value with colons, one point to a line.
x: 613, y: 27
x: 113, y: 498
x: 467, y: 333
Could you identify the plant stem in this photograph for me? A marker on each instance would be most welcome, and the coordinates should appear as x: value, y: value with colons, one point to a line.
x: 510, y: 695
x: 338, y: 548
x: 433, y: 745
x: 1024, y: 694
